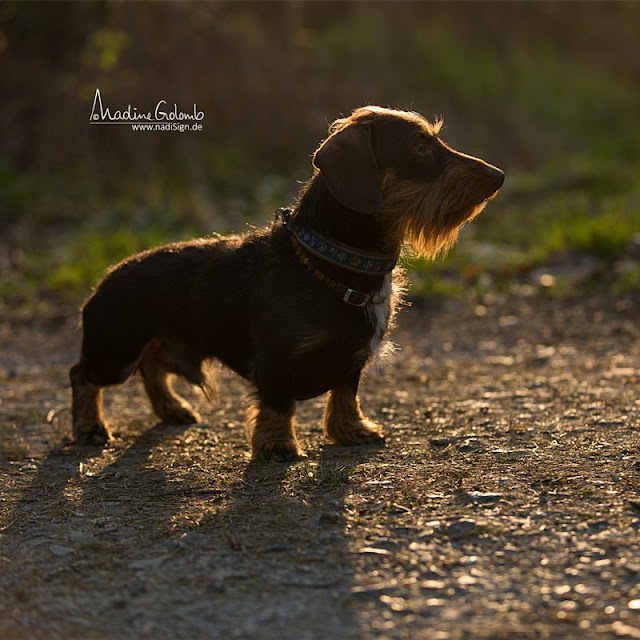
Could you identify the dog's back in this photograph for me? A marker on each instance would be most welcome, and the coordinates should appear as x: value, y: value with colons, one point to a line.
x: 217, y: 299
x: 147, y: 296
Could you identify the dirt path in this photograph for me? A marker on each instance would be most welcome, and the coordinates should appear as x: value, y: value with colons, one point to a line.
x: 505, y: 503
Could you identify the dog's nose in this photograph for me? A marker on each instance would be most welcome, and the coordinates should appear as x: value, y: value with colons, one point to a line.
x: 497, y: 176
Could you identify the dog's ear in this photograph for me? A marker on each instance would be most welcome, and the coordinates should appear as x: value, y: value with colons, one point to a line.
x: 348, y: 165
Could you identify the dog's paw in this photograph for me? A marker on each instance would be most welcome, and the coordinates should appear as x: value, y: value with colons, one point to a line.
x: 95, y: 434
x: 277, y: 451
x: 180, y: 414
x: 365, y: 432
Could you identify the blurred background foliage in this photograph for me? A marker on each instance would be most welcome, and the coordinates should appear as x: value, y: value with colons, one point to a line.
x: 548, y: 91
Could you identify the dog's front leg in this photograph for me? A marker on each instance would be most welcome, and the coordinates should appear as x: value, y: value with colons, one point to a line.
x: 271, y: 430
x: 344, y: 423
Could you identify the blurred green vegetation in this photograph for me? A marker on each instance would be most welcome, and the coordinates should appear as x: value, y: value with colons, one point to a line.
x: 550, y: 92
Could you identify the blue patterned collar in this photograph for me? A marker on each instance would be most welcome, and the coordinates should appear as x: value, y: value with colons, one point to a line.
x: 341, y: 255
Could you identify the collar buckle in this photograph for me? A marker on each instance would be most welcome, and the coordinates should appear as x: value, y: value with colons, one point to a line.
x: 356, y: 298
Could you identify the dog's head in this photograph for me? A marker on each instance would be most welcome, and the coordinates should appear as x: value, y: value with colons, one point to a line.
x: 392, y: 163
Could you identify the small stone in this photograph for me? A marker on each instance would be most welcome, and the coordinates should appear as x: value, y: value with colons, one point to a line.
x: 329, y: 516
x: 80, y: 537
x: 398, y: 508
x: 512, y: 454
x: 470, y: 444
x: 462, y: 528
x: 59, y: 551
x: 389, y: 545
x: 148, y: 563
x: 432, y: 584
x: 440, y: 442
x: 482, y: 498
x: 373, y: 590
x: 435, y: 602
x: 276, y: 548
x: 508, y: 321
x: 374, y: 551
x: 634, y: 504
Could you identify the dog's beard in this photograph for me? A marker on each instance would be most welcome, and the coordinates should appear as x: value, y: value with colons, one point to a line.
x: 430, y: 216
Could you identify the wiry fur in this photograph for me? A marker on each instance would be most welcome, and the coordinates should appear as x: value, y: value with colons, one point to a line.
x: 344, y: 423
x: 272, y: 434
x: 429, y: 217
x: 383, y: 178
x: 381, y: 316
x: 369, y: 114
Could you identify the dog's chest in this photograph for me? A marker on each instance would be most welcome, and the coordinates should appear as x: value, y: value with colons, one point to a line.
x: 378, y: 315
x: 316, y: 343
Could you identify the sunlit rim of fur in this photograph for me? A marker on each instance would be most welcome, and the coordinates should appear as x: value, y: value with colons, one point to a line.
x: 425, y: 216
x: 433, y: 242
x: 365, y: 115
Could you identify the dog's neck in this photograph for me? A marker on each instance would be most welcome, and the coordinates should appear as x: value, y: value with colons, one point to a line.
x: 317, y: 209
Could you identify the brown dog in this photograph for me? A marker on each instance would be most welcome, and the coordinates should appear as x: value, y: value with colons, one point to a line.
x: 298, y: 308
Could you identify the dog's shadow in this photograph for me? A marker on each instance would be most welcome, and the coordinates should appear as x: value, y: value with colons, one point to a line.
x: 287, y: 535
x: 271, y: 555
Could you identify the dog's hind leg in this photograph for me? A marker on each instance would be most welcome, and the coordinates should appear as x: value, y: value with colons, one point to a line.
x: 88, y: 424
x: 167, y: 405
x: 344, y: 423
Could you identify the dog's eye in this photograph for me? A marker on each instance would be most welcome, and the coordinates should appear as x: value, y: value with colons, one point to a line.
x: 421, y: 149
